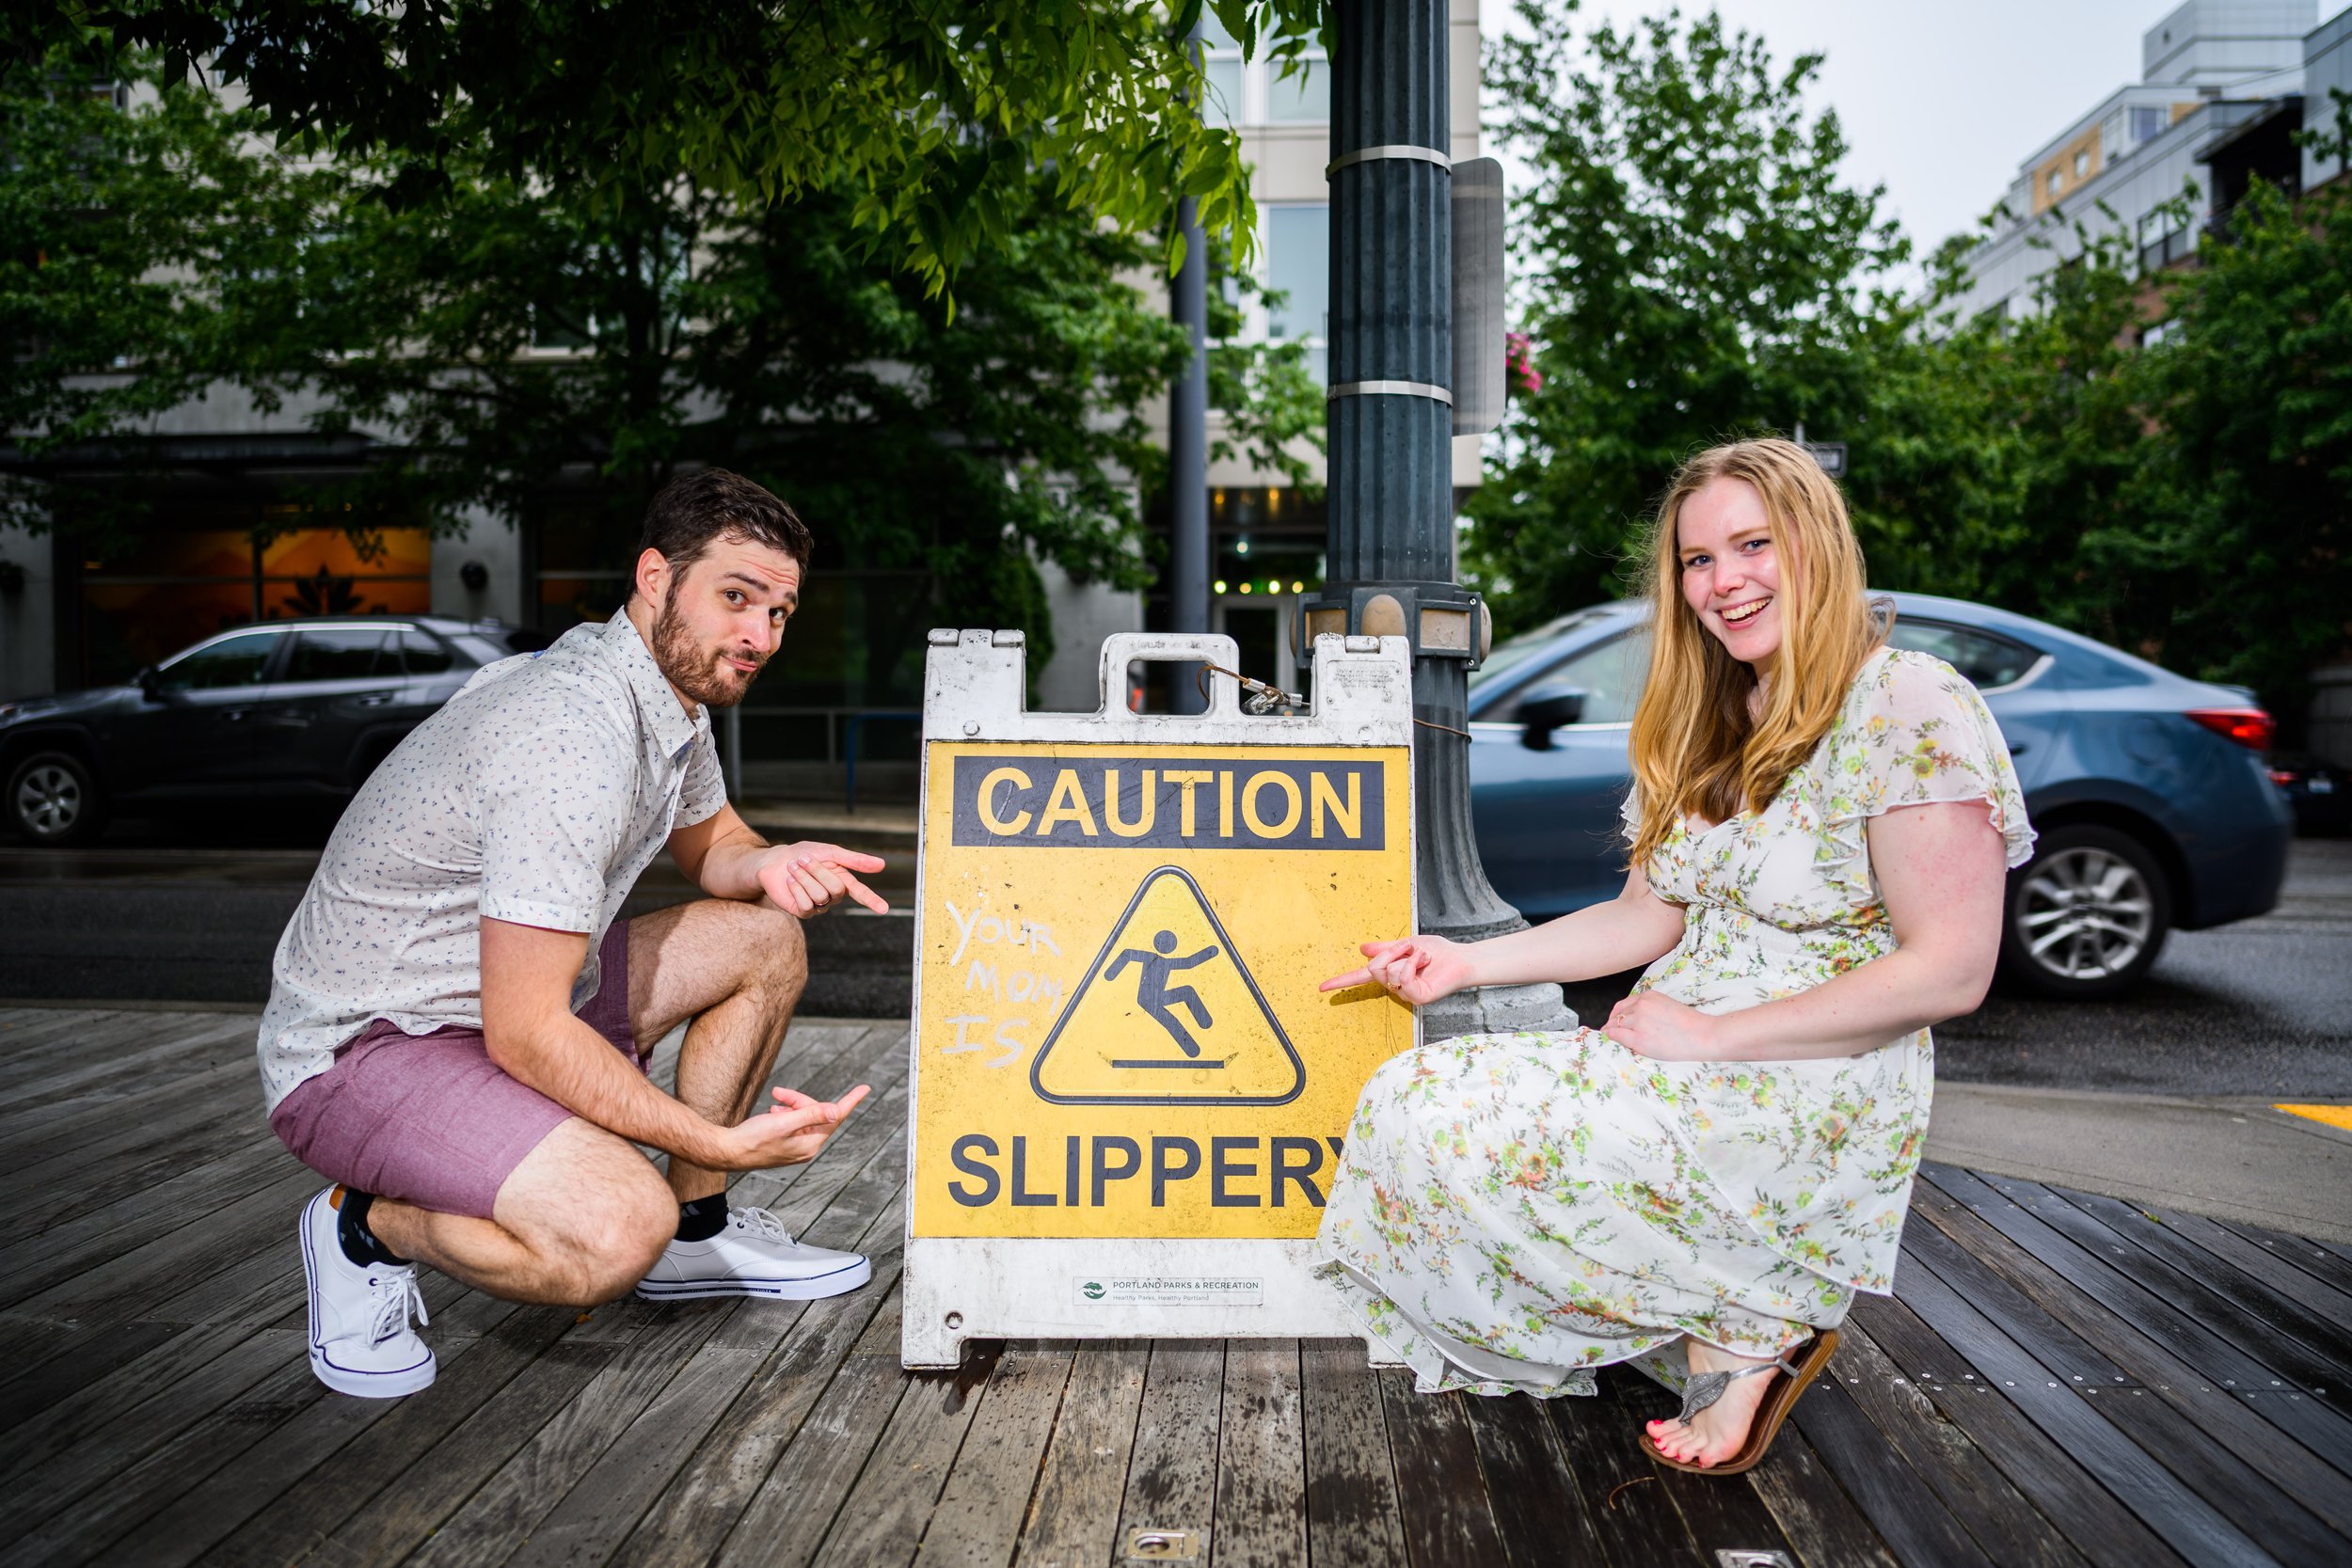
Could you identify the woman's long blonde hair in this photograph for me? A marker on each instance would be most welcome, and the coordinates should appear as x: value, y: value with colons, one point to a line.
x: 1695, y: 750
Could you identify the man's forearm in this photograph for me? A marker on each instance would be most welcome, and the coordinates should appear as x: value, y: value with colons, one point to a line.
x: 571, y: 1064
x: 731, y: 868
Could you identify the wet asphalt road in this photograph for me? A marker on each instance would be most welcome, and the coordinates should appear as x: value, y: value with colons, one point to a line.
x: 2263, y: 1008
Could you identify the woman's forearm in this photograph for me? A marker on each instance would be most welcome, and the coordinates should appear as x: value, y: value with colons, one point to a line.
x: 1860, y: 1010
x: 1603, y: 939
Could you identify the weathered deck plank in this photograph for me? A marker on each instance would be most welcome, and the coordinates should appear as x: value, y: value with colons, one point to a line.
x: 1351, y: 1482
x: 1260, y: 1516
x: 1074, y: 1518
x: 2061, y: 1381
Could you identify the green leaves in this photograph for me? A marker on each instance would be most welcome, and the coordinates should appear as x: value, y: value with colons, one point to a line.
x: 1692, y: 269
x: 555, y: 252
x: 763, y: 103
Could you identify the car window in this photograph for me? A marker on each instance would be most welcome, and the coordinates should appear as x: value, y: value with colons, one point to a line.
x: 1516, y: 651
x: 341, y: 654
x: 481, y: 650
x: 1987, y: 660
x: 425, y: 654
x: 238, y: 661
x: 1610, y: 674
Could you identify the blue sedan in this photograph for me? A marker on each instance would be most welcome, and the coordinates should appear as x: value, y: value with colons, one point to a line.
x: 2148, y: 789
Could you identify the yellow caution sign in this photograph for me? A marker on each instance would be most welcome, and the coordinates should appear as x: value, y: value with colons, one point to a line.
x: 1167, y: 1015
x: 1118, y: 1026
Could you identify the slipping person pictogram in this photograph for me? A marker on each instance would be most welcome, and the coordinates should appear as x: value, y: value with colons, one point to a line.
x: 1168, y: 972
x: 1154, y: 997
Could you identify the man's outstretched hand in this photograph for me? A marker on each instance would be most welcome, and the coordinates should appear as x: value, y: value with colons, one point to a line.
x: 789, y: 1132
x: 809, y: 878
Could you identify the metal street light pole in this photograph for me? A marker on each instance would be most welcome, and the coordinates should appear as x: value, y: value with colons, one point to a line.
x: 1188, y: 448
x: 1390, y: 544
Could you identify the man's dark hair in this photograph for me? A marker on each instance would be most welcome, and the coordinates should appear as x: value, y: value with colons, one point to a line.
x: 695, y: 509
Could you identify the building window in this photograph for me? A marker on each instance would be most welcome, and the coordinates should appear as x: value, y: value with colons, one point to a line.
x: 1222, y: 63
x: 1299, y: 267
x: 2158, y: 333
x: 1303, y: 98
x: 2164, y: 239
x: 2149, y: 122
x: 202, y: 571
x: 2082, y: 165
x: 1224, y: 83
x: 2057, y: 182
x: 1243, y: 91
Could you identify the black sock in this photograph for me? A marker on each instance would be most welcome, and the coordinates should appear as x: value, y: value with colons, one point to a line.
x: 703, y: 1218
x: 360, y: 1244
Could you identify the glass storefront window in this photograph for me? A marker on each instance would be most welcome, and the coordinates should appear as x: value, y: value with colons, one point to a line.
x: 146, y: 600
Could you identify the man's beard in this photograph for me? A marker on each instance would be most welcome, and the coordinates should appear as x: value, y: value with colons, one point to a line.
x: 701, y: 675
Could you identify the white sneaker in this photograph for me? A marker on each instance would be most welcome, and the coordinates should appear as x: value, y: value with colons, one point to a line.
x: 360, y: 1341
x: 755, y: 1255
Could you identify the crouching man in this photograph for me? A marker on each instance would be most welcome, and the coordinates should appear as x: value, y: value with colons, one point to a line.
x: 457, y: 1028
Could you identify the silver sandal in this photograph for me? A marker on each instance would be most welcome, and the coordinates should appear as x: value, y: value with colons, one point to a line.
x: 1705, y: 1388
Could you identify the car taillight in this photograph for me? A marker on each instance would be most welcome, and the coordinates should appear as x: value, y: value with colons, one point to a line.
x: 2282, y: 776
x: 2250, y: 727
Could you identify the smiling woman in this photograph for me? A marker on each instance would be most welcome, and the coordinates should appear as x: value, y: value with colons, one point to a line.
x: 1754, y: 540
x: 1820, y: 825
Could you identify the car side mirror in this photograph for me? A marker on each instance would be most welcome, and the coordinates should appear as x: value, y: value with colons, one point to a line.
x: 145, y: 680
x: 1546, y: 709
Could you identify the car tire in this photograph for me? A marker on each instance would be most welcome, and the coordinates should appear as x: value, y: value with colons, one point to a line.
x: 2087, y: 916
x: 53, y: 799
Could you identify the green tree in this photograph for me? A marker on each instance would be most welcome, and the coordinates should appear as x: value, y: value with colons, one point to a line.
x: 2186, y: 501
x: 1692, y: 269
x: 1993, y: 455
x: 964, y: 445
x: 129, y: 225
x: 2248, y: 532
x: 929, y: 118
x: 516, y: 338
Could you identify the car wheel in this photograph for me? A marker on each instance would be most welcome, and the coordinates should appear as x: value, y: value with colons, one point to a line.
x: 2087, y: 915
x: 53, y: 799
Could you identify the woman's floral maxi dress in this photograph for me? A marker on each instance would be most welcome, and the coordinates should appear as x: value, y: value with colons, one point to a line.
x: 1513, y: 1211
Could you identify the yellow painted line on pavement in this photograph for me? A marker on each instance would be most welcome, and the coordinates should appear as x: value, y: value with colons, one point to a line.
x: 2334, y: 1116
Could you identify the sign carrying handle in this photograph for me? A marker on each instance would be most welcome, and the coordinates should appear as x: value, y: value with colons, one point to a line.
x: 1122, y: 648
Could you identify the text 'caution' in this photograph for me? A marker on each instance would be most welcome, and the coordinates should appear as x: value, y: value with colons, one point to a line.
x: 1168, y: 802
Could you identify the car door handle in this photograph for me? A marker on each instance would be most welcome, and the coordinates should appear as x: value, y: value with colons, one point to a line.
x: 235, y: 715
x: 379, y: 698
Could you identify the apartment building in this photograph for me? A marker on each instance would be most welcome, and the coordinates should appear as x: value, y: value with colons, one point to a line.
x: 2222, y: 88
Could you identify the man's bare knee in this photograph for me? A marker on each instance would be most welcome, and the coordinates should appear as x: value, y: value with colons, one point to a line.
x: 622, y: 1240
x: 593, y: 1211
x: 779, y: 956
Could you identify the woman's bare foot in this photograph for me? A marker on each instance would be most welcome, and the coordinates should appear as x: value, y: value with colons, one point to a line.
x: 1715, y: 1433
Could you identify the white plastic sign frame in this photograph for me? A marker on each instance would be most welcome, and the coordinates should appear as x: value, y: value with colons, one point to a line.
x: 960, y: 1286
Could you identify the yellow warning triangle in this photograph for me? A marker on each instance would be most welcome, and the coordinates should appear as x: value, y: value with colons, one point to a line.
x: 1167, y: 1015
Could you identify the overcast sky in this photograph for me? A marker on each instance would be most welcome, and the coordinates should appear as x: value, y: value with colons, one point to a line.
x: 1940, y: 99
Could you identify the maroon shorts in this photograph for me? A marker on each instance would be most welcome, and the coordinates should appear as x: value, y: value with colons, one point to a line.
x: 429, y: 1119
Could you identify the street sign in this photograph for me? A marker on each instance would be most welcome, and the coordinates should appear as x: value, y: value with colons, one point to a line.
x: 1478, y: 295
x: 1831, y: 455
x: 1129, y: 1097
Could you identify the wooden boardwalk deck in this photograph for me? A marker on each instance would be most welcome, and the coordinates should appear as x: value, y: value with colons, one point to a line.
x: 2060, y: 1379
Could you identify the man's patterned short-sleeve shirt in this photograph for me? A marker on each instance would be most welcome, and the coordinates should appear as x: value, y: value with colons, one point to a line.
x: 536, y: 794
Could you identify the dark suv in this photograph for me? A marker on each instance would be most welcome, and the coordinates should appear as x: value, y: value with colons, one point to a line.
x: 283, y: 708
